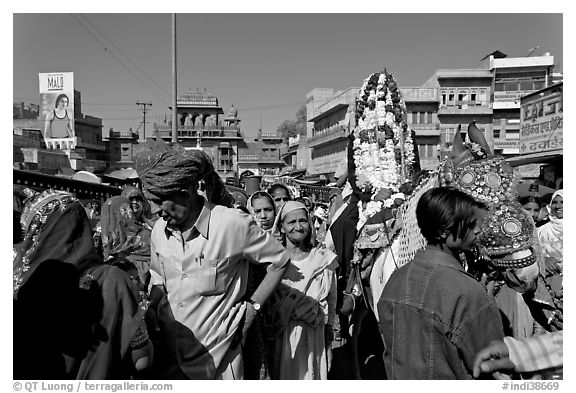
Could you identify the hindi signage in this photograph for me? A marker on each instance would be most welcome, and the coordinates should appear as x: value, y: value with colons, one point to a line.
x: 541, y: 121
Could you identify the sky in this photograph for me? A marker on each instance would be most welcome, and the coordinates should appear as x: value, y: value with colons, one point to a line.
x: 263, y: 64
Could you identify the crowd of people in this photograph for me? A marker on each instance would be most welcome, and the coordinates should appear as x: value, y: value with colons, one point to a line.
x: 180, y: 279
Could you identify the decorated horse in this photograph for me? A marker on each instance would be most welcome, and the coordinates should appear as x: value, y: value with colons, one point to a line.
x: 384, y: 175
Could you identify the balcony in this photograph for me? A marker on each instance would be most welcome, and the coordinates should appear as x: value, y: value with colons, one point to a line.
x: 466, y: 108
x: 431, y: 129
x: 248, y: 157
x: 419, y: 94
x: 123, y: 134
x: 207, y: 132
x: 328, y: 135
x: 270, y: 137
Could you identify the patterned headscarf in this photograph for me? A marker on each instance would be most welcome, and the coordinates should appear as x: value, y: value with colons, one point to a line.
x: 171, y: 171
x: 56, y: 227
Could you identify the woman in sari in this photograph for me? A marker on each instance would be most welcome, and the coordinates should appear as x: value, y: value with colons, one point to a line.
x: 57, y: 237
x: 551, y: 234
x: 263, y: 209
x: 303, y: 306
x: 256, y: 349
x: 126, y: 233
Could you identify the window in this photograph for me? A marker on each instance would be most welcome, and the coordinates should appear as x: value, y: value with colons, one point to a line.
x: 526, y: 85
x: 427, y: 151
x: 473, y: 97
x: 451, y: 97
x: 512, y: 134
x: 496, y: 133
x: 538, y: 85
x: 447, y: 136
x: 443, y: 98
x: 414, y: 117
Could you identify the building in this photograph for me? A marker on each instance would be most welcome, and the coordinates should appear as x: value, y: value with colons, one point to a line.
x: 200, y: 125
x: 464, y: 96
x: 120, y: 148
x: 261, y: 156
x: 296, y: 156
x: 514, y: 77
x: 422, y: 104
x: 331, y: 116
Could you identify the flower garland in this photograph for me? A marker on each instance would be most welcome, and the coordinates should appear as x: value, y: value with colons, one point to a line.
x: 383, y: 146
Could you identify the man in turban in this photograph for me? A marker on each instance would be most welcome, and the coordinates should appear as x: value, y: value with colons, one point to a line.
x: 200, y: 251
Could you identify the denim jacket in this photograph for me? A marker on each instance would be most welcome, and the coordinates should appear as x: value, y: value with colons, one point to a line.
x: 435, y: 318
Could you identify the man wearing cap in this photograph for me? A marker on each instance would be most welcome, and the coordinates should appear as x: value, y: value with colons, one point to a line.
x: 199, y: 260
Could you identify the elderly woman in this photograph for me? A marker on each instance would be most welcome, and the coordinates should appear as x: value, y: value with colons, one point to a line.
x: 57, y: 237
x: 303, y: 307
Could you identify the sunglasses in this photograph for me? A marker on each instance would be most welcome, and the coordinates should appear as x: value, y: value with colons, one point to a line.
x: 285, y: 199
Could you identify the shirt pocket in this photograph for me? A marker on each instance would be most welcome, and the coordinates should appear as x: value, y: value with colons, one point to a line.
x: 211, y: 277
x: 168, y: 267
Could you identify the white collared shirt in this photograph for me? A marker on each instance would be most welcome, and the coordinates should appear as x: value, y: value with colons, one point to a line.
x: 205, y: 276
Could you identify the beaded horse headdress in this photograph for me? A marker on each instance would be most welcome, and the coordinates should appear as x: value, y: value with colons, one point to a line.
x: 507, y: 234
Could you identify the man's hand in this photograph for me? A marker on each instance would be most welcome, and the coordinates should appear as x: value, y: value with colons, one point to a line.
x: 492, y: 359
x: 249, y: 318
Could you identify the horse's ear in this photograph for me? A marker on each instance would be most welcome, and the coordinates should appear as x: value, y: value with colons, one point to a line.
x: 460, y: 153
x: 478, y: 137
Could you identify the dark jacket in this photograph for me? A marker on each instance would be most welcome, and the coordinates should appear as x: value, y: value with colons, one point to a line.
x: 434, y: 318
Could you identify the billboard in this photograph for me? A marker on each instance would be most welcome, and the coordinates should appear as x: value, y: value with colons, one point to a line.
x: 57, y: 109
x: 541, y: 121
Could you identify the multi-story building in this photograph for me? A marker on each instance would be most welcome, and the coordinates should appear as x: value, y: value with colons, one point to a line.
x: 200, y: 125
x: 422, y: 105
x: 331, y: 116
x: 261, y: 156
x: 464, y: 97
x: 514, y: 77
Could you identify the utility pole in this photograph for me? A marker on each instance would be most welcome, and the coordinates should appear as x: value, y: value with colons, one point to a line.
x: 174, y: 83
x: 144, y: 111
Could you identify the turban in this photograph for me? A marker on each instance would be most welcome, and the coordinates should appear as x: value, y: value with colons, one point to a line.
x: 171, y: 171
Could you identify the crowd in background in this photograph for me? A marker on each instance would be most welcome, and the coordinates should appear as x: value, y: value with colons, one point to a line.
x: 179, y: 279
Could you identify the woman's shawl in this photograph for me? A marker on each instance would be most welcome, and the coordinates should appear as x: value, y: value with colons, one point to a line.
x: 119, y: 320
x: 122, y: 234
x: 56, y: 227
x: 291, y: 304
x: 551, y: 234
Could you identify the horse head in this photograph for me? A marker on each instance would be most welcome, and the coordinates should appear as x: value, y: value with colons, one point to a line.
x: 507, y: 244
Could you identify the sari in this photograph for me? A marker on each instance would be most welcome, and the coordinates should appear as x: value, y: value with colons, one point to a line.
x: 300, y: 308
x: 125, y: 238
x: 101, y: 301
